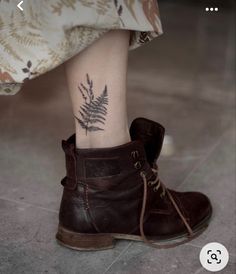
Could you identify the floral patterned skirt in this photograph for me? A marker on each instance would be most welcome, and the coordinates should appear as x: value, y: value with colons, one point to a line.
x: 49, y: 32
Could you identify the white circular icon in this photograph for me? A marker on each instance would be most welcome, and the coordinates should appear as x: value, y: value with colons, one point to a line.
x: 214, y: 257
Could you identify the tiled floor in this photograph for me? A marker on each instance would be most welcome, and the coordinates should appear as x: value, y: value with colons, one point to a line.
x: 185, y: 80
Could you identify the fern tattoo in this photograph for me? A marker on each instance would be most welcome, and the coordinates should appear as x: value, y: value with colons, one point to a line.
x: 93, y: 111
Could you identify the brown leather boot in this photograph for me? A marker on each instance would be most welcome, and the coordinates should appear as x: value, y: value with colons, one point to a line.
x: 115, y: 193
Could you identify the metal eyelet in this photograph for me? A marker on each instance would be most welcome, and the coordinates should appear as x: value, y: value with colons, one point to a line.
x: 135, y: 154
x: 154, y: 189
x: 142, y: 173
x: 137, y: 165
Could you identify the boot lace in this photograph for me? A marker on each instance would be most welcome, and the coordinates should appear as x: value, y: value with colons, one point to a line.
x: 156, y: 183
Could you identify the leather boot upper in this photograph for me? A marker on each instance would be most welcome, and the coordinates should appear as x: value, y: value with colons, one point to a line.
x: 103, y: 188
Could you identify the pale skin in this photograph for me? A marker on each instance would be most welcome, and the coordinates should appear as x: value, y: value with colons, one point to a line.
x: 97, y: 84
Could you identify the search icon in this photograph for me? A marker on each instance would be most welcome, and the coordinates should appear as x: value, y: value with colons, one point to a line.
x: 214, y: 257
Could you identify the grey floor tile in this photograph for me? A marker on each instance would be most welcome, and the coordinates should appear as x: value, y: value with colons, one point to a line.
x: 32, y: 127
x: 28, y: 245
x: 229, y: 269
x: 174, y: 171
x: 141, y: 259
x: 193, y: 68
x: 216, y: 177
x: 194, y: 125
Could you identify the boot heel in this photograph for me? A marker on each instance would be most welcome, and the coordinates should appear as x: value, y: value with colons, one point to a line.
x: 84, y: 241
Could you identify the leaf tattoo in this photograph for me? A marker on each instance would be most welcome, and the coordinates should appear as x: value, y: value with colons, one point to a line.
x: 93, y: 110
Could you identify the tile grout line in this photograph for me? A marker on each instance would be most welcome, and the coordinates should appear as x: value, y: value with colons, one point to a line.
x: 199, y: 270
x: 198, y: 165
x: 28, y: 204
x: 118, y: 257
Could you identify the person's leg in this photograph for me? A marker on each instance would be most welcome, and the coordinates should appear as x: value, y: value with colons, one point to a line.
x: 97, y: 84
x: 104, y: 184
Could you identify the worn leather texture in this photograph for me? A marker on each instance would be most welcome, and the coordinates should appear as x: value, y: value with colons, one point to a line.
x: 103, y: 189
x: 151, y: 134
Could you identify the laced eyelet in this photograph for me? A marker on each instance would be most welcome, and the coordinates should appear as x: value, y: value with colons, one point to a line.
x: 137, y: 165
x: 142, y: 173
x: 135, y: 154
x: 172, y: 200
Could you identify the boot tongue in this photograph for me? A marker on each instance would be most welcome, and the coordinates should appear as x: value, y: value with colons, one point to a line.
x: 151, y: 134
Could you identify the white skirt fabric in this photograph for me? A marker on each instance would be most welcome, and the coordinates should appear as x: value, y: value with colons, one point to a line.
x: 49, y: 32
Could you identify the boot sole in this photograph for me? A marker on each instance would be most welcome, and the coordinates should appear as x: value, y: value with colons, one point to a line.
x: 101, y: 241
